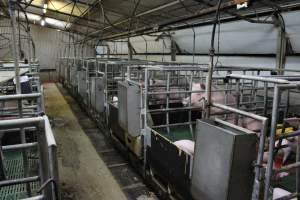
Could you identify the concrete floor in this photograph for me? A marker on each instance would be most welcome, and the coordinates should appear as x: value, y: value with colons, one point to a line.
x: 83, y: 174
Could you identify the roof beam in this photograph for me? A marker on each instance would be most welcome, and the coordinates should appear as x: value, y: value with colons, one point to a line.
x: 51, y: 27
x: 75, y: 23
x: 140, y: 15
x: 67, y: 14
x: 156, y: 28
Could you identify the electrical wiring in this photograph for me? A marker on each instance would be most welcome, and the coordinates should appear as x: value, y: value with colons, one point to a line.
x: 106, y: 18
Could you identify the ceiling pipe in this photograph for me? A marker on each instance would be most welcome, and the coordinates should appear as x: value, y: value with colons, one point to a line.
x: 141, y: 14
x: 12, y: 8
x: 150, y: 29
x: 178, y: 20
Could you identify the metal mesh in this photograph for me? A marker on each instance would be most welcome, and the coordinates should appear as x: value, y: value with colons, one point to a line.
x: 14, y: 169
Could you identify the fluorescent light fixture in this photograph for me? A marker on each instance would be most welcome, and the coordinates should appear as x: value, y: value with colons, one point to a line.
x: 45, y: 6
x: 42, y: 22
x: 57, y: 23
x: 31, y: 17
x: 44, y: 10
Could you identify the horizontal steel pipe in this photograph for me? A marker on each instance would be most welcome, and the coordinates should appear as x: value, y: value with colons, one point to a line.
x: 19, y: 96
x: 38, y: 197
x: 19, y: 146
x: 17, y: 123
x: 170, y: 125
x: 19, y: 181
x: 258, y: 78
x: 237, y: 111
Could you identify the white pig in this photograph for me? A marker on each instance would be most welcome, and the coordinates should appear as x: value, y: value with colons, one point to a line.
x: 219, y: 97
x: 216, y: 97
x: 186, y: 145
x: 279, y: 193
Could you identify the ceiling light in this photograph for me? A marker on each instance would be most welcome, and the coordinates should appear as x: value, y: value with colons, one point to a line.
x: 44, y: 10
x: 31, y: 17
x: 42, y: 22
x: 57, y: 23
x: 45, y: 5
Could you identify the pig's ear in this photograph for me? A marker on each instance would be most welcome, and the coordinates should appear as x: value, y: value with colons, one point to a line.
x: 202, y: 86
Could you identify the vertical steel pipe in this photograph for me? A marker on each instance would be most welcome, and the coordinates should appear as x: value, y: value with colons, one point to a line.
x: 272, y: 142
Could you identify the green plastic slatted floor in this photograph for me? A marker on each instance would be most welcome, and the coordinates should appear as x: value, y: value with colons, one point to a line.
x: 14, y: 169
x: 176, y: 133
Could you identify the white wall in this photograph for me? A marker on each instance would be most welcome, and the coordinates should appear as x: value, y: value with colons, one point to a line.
x: 50, y: 45
x: 239, y: 37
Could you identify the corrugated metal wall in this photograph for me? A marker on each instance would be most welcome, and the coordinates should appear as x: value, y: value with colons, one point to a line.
x: 50, y: 44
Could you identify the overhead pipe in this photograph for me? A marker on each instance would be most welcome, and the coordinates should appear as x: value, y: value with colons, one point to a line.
x: 12, y: 6
x: 211, y: 64
x: 151, y: 29
x: 140, y: 15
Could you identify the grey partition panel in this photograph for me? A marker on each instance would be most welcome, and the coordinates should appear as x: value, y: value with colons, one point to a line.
x: 97, y: 93
x: 223, y: 162
x: 82, y: 84
x: 74, y: 81
x: 134, y: 110
x: 122, y: 104
x: 65, y: 72
x: 129, y: 108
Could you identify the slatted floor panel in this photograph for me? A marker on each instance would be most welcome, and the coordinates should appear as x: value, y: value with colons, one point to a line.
x: 14, y: 170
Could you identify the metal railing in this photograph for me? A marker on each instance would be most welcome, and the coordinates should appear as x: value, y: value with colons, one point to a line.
x: 46, y: 148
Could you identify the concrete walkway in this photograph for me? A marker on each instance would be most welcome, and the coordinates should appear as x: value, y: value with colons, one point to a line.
x: 83, y: 174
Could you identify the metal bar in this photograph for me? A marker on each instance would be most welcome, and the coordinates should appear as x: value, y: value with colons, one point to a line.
x: 241, y: 112
x: 298, y: 168
x: 145, y: 115
x: 168, y: 102
x: 38, y: 197
x: 237, y: 91
x: 19, y: 181
x: 290, y: 134
x: 12, y: 5
x: 265, y: 98
x: 272, y: 142
x: 257, y: 78
x: 234, y: 126
x: 177, y: 124
x: 19, y: 146
x: 19, y: 96
x: 258, y: 181
x: 18, y: 123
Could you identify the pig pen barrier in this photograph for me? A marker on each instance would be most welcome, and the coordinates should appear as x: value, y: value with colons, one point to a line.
x: 28, y: 164
x: 164, y: 157
x: 255, y: 89
x: 93, y: 82
x: 41, y: 181
x: 264, y: 176
x: 254, y: 101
